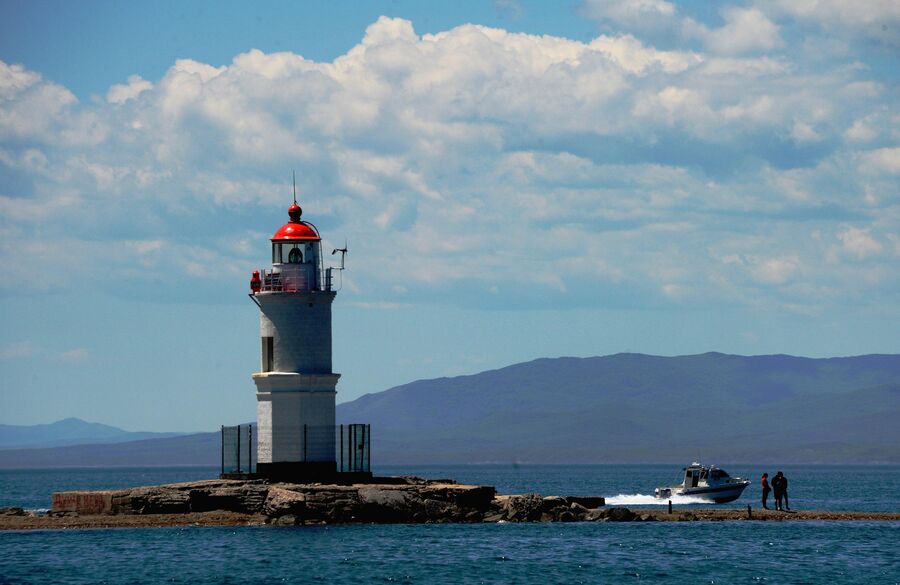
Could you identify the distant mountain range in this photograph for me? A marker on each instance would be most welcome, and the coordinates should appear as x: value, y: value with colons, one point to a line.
x: 628, y: 408
x: 641, y: 408
x: 70, y: 431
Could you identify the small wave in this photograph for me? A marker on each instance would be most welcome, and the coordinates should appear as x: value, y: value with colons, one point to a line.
x: 649, y: 500
x: 37, y: 510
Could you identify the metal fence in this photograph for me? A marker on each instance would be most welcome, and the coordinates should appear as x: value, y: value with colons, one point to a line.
x: 349, y: 445
x: 354, y: 453
x: 238, y: 449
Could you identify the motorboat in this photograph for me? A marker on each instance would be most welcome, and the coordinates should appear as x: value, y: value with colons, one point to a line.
x: 706, y: 482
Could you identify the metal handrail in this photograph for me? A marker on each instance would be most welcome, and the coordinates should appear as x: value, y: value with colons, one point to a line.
x: 272, y: 281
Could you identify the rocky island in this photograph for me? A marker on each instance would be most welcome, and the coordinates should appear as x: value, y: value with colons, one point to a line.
x: 223, y: 502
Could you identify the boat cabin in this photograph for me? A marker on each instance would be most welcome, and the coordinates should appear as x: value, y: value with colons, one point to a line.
x: 698, y: 474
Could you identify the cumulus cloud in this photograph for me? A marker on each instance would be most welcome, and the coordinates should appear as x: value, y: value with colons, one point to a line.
x: 882, y: 160
x: 745, y: 30
x: 30, y: 104
x: 630, y: 13
x: 471, y: 166
x: 861, y: 131
x: 859, y: 242
x: 878, y: 19
x: 121, y: 93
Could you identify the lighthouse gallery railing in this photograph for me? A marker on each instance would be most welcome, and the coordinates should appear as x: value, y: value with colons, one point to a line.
x: 295, y: 278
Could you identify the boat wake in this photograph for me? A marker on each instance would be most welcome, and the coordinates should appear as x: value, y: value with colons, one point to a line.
x: 650, y: 500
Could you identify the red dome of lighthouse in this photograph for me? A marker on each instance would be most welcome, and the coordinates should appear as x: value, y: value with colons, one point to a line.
x: 296, y: 229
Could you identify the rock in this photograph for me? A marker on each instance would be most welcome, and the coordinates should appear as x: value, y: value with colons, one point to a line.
x: 246, y: 498
x: 473, y: 516
x: 524, y: 508
x: 286, y: 520
x: 597, y: 514
x: 478, y: 497
x: 435, y: 510
x: 493, y: 518
x: 567, y: 516
x: 389, y: 505
x: 587, y: 501
x: 648, y: 518
x: 549, y: 503
x: 158, y: 500
x: 577, y: 509
x: 13, y: 511
x: 402, y: 480
x: 284, y: 502
x: 620, y: 515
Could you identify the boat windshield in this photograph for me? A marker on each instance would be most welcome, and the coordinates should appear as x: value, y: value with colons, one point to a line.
x: 719, y: 474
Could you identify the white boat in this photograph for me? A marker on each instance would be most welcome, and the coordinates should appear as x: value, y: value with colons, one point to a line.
x: 707, y: 482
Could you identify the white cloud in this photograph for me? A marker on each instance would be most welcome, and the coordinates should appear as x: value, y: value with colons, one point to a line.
x: 15, y: 79
x: 30, y: 105
x: 859, y: 242
x: 539, y: 168
x: 17, y: 350
x: 804, y: 132
x: 861, y: 131
x: 882, y: 160
x: 634, y: 57
x: 775, y: 270
x: 629, y: 13
x: 509, y: 8
x: 879, y: 19
x: 121, y: 93
x: 74, y: 356
x: 746, y: 30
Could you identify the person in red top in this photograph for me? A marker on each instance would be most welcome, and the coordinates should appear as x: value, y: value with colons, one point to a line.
x: 765, y: 490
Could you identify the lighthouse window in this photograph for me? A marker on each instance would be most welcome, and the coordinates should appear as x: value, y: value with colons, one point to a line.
x: 295, y: 256
x: 276, y: 253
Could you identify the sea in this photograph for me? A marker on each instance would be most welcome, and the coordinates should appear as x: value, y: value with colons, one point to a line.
x: 661, y: 552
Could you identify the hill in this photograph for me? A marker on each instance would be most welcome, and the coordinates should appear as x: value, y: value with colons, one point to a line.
x: 70, y: 431
x: 641, y: 408
x: 196, y: 449
x: 628, y: 408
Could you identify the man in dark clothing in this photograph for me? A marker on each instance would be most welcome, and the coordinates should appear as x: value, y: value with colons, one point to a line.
x: 778, y: 486
x: 765, y: 490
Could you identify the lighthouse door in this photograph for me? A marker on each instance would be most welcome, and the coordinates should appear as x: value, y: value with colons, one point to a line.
x: 268, y: 354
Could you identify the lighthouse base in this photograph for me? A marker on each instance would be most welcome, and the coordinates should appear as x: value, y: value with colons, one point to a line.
x: 302, y: 472
x: 295, y: 417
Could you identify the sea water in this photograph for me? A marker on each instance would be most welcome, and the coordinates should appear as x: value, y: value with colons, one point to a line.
x: 663, y: 552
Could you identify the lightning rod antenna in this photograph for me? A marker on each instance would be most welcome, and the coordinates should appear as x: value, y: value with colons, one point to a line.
x: 294, y: 181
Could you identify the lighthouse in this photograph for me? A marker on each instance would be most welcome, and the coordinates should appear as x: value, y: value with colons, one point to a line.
x: 295, y: 384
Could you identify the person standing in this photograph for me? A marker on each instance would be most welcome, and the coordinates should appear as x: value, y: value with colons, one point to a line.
x: 778, y: 488
x: 765, y: 490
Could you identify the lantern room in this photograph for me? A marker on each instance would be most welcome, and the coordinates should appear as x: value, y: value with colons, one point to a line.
x: 296, y: 259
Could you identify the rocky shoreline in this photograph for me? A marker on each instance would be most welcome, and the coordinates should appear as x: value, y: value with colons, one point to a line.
x: 386, y: 500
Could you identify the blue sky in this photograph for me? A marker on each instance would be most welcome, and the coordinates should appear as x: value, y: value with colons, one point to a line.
x: 515, y: 179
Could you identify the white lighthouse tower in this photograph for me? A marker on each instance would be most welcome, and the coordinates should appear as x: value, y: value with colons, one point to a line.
x: 295, y: 386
